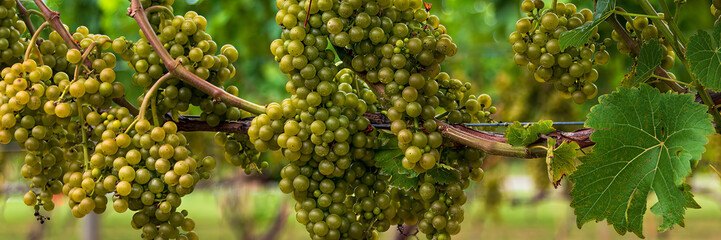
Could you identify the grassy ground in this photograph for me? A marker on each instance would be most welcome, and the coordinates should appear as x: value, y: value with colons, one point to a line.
x: 550, y: 219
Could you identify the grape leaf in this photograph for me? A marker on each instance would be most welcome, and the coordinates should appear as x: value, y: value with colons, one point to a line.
x: 389, y: 161
x: 518, y: 135
x: 444, y: 174
x: 403, y: 182
x: 704, y: 54
x: 645, y: 141
x: 580, y: 35
x: 561, y: 160
x: 648, y: 60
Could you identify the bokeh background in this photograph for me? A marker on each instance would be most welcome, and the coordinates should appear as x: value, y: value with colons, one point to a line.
x: 514, y: 201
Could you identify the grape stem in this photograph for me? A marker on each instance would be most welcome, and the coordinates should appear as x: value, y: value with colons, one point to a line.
x: 307, y: 15
x: 490, y: 144
x: 157, y: 8
x: 670, y: 80
x: 35, y: 39
x: 36, y: 12
x: 53, y: 17
x: 81, y: 116
x: 635, y: 14
x: 154, y: 111
x: 136, y: 11
x: 151, y: 93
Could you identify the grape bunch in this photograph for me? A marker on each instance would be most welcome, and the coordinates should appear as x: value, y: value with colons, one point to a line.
x: 185, y: 39
x: 32, y: 116
x: 640, y: 29
x: 536, y: 45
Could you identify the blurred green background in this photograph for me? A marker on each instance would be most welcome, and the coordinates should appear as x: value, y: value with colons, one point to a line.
x: 514, y: 201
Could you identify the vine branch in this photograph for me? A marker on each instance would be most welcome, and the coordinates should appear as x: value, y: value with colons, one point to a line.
x: 136, y: 12
x: 490, y: 142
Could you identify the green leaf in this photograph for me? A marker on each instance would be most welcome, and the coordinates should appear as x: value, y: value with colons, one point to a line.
x: 403, y: 182
x: 658, y: 210
x: 389, y: 161
x: 648, y: 60
x: 704, y: 54
x: 518, y: 135
x: 561, y: 160
x: 444, y: 174
x: 645, y: 141
x: 579, y: 36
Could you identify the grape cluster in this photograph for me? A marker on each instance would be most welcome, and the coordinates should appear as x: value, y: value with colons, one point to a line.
x: 12, y: 46
x: 31, y: 115
x: 185, y: 39
x: 321, y: 129
x: 536, y: 45
x: 640, y: 29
